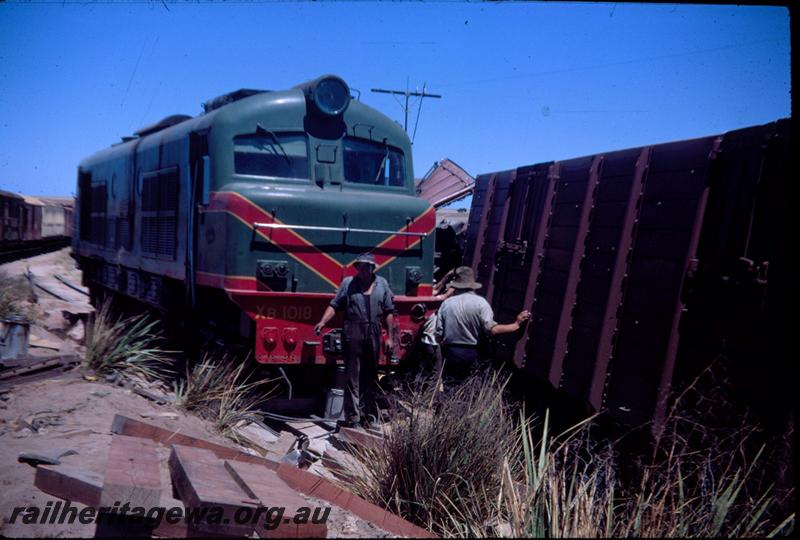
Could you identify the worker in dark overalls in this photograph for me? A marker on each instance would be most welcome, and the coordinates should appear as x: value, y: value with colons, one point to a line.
x: 366, y: 300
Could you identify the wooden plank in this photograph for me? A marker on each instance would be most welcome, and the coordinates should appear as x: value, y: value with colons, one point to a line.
x: 132, y: 473
x: 265, y: 485
x: 69, y: 483
x: 132, y: 477
x: 165, y: 529
x: 359, y: 437
x: 123, y: 425
x: 201, y: 481
x: 302, y: 481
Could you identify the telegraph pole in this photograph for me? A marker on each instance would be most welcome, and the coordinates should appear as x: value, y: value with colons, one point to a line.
x: 421, y: 95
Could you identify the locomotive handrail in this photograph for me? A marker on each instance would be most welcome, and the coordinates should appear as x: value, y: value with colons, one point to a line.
x: 335, y: 229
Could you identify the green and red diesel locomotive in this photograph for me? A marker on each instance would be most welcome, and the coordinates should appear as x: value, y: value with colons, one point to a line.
x: 245, y: 219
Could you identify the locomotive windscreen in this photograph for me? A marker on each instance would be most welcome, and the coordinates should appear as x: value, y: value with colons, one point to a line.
x: 281, y: 156
x: 366, y: 162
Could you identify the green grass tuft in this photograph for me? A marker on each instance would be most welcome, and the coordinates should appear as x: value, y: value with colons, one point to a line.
x: 126, y: 346
x: 217, y: 389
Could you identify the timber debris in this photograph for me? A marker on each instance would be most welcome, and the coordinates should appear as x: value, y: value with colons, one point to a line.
x: 205, y: 474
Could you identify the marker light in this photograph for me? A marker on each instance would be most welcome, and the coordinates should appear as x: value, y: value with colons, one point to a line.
x: 268, y: 334
x: 290, y: 338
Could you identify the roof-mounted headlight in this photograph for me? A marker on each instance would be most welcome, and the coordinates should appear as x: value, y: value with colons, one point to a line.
x: 329, y: 94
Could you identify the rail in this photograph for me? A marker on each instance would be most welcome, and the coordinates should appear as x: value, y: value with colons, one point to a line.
x: 70, y: 284
x: 14, y: 251
x: 28, y: 274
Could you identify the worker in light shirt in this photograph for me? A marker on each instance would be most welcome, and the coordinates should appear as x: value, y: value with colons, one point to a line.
x: 462, y: 321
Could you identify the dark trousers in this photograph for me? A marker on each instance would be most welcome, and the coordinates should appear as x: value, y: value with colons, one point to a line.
x: 430, y: 360
x: 460, y: 361
x: 361, y: 370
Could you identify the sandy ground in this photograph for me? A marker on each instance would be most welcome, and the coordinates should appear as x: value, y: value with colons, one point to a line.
x: 69, y: 412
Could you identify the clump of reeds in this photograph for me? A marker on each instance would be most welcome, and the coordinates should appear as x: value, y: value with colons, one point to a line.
x: 553, y: 486
x: 127, y: 346
x: 442, y: 452
x: 218, y: 389
x: 457, y: 464
x: 695, y: 480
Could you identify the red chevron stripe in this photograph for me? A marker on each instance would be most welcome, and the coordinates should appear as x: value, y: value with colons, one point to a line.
x: 425, y: 223
x: 325, y: 266
x: 292, y: 243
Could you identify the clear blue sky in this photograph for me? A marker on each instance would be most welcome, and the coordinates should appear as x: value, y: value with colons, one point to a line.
x: 521, y: 82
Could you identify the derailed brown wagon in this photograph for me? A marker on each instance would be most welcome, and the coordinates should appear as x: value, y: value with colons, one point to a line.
x: 641, y: 266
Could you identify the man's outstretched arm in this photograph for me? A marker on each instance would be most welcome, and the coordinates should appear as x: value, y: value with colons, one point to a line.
x: 522, y: 317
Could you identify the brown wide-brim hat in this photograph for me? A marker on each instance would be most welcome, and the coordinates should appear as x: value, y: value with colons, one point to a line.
x: 464, y: 278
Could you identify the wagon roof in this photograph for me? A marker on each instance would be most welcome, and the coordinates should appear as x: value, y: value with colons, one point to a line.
x: 10, y: 195
x: 445, y: 182
x: 33, y: 201
x: 59, y: 201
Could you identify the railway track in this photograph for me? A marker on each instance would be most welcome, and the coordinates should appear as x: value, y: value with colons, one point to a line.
x: 29, y: 369
x: 14, y: 252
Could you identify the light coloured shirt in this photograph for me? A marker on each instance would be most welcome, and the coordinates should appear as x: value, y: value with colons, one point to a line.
x: 428, y: 336
x: 463, y: 319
